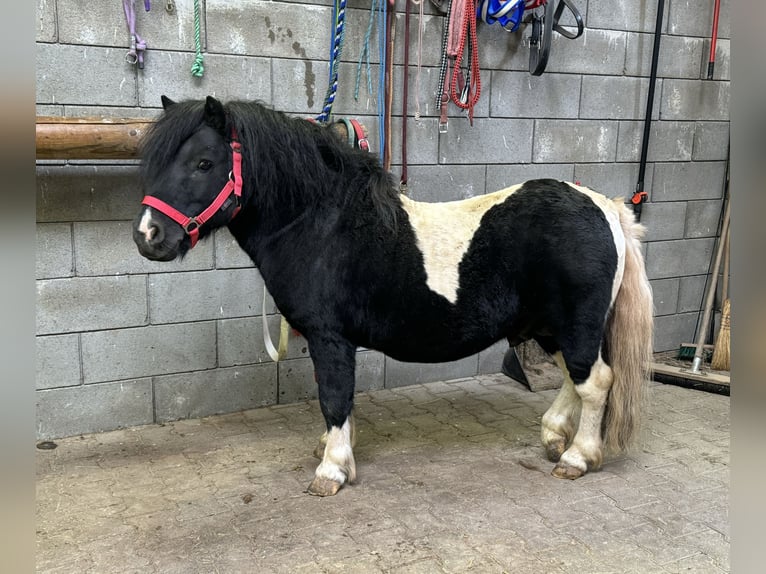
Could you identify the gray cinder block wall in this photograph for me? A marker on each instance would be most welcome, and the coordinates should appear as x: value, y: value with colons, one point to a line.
x: 123, y: 341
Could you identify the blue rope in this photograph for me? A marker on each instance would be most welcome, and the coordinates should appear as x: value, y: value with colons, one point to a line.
x: 365, y: 52
x: 339, y: 17
x: 382, y: 79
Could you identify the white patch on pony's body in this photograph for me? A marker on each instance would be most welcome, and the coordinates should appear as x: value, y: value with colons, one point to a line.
x: 444, y: 232
x: 338, y: 462
x: 611, y: 209
x: 145, y: 225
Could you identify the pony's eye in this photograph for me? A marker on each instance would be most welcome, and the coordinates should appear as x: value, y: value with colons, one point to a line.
x: 205, y: 164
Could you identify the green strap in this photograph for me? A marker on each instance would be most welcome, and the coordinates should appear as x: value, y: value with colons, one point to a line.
x: 197, y: 68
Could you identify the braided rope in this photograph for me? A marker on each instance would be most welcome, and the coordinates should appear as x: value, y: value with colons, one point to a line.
x: 339, y: 10
x: 445, y: 56
x: 197, y: 68
x: 365, y: 51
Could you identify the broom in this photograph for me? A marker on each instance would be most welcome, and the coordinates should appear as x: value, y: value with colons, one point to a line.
x: 722, y: 353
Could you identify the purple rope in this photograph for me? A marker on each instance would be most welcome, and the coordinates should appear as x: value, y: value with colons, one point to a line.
x: 137, y: 44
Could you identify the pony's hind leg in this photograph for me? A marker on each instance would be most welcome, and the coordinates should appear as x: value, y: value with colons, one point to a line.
x: 560, y: 420
x: 334, y: 362
x: 586, y: 450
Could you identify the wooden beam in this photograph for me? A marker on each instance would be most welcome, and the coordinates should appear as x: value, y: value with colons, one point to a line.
x: 88, y: 138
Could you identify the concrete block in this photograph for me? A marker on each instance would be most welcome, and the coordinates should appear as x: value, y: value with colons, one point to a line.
x: 499, y: 50
x: 300, y: 87
x: 240, y: 341
x: 488, y: 141
x: 268, y: 29
x: 445, y: 183
x: 93, y: 75
x: 58, y: 361
x: 678, y: 258
x: 502, y: 176
x: 664, y: 220
x: 679, y: 56
x: 107, y: 248
x: 665, y: 293
x: 595, y: 52
x: 574, y: 141
x: 111, y: 112
x: 87, y: 193
x: 688, y: 181
x: 691, y: 293
x: 631, y: 16
x: 617, y: 98
x: 422, y: 141
x: 613, y: 179
x: 722, y: 67
x: 203, y: 295
x: 217, y: 391
x: 711, y: 141
x: 399, y: 374
x: 90, y: 303
x: 93, y: 408
x: 49, y: 110
x: 296, y: 381
x: 694, y: 100
x: 491, y: 359
x: 228, y: 253
x: 148, y: 351
x: 103, y: 24
x: 370, y: 371
x: 53, y: 253
x: 226, y: 77
x: 432, y: 38
x: 703, y: 218
x: 668, y: 141
x: 672, y: 330
x: 45, y: 24
x: 520, y: 95
x: 687, y: 18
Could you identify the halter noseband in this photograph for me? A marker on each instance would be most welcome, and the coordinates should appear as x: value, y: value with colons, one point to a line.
x: 191, y: 225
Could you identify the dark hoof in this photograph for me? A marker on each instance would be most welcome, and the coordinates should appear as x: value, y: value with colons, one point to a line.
x: 555, y: 449
x: 323, y: 487
x: 563, y: 470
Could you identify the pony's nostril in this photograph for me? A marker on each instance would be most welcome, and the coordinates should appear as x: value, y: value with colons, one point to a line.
x: 154, y: 234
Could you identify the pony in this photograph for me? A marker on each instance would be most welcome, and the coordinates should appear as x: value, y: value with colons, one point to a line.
x: 350, y: 262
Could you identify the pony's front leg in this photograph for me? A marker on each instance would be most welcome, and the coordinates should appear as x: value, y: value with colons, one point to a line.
x: 334, y: 363
x: 586, y: 451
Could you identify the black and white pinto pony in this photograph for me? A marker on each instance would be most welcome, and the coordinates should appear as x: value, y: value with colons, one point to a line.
x: 350, y: 262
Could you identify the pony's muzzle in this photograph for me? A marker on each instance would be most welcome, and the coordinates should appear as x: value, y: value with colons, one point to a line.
x: 151, y: 239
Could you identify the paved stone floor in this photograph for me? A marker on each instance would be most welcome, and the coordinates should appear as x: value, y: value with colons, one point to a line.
x: 452, y: 478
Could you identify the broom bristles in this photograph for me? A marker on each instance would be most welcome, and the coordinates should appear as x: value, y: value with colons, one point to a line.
x: 721, y: 354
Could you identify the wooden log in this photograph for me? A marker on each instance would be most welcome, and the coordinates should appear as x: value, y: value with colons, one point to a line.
x: 88, y: 138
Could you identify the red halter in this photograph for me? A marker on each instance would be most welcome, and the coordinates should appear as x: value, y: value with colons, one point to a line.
x: 191, y: 225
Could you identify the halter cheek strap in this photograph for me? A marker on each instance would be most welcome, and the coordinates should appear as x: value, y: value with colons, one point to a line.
x: 191, y: 225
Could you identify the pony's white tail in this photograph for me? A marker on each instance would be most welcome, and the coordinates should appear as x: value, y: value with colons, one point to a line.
x: 629, y: 339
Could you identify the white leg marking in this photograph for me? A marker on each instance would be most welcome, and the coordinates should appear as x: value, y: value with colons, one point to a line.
x: 145, y: 225
x: 444, y: 232
x: 586, y: 450
x: 561, y: 418
x: 338, y: 462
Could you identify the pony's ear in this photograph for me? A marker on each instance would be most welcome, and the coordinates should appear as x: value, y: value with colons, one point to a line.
x: 166, y: 102
x: 215, y: 116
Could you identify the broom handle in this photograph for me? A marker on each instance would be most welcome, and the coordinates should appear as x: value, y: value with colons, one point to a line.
x: 711, y: 292
x: 725, y: 278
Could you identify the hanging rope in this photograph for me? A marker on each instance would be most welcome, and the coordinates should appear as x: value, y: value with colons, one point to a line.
x: 419, y: 4
x: 364, y: 54
x: 197, y: 68
x: 135, y: 53
x: 339, y: 17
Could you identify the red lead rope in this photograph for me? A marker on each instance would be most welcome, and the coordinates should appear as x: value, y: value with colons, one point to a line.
x: 467, y: 27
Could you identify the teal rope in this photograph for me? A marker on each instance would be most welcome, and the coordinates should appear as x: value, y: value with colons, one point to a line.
x: 197, y: 68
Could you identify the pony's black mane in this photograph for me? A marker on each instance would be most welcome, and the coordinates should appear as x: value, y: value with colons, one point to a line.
x: 286, y: 160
